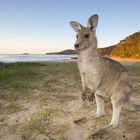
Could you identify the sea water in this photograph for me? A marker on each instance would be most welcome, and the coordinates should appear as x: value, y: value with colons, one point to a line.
x: 10, y: 58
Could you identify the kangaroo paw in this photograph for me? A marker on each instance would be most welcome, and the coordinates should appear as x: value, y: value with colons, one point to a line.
x: 91, y: 97
x: 84, y: 96
x: 82, y: 120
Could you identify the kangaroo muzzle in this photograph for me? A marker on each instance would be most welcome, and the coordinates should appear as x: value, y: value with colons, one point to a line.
x: 76, y: 46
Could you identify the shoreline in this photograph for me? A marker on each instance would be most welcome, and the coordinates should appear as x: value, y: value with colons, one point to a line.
x: 125, y: 61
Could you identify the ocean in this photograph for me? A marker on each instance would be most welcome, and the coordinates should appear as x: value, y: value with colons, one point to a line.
x: 11, y: 58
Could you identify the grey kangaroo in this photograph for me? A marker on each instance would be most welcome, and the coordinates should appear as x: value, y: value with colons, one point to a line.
x: 104, y: 77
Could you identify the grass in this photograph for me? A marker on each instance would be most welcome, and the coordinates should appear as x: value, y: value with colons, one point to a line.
x: 137, y: 132
x: 52, y: 80
x: 48, y: 87
x: 18, y: 77
x: 14, y: 73
x: 9, y: 108
x: 65, y: 77
x: 134, y: 70
x: 16, y: 70
x: 37, y: 123
x: 3, y: 125
x: 40, y: 123
x: 135, y: 73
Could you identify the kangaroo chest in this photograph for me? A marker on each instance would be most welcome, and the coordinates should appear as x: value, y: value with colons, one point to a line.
x: 89, y: 74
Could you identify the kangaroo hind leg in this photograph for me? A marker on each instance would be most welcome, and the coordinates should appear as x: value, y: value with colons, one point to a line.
x: 100, y: 111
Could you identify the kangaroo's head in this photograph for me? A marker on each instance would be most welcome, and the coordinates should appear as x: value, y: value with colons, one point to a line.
x: 86, y: 36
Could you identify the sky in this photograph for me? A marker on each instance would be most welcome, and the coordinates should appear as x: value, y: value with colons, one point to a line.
x: 42, y: 26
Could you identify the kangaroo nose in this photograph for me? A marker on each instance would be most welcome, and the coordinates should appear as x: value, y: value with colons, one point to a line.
x: 76, y: 46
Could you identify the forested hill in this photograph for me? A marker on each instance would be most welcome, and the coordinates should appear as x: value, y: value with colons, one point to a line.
x: 128, y: 48
x: 106, y: 51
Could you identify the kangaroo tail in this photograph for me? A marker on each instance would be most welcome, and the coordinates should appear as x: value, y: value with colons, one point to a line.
x: 131, y: 106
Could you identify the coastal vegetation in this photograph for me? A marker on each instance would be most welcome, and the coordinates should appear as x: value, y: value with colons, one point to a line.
x: 128, y: 48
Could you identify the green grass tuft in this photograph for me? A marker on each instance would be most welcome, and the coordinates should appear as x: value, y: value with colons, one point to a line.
x: 137, y: 132
x: 37, y: 124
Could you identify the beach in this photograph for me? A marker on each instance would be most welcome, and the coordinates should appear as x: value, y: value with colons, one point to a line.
x: 12, y: 58
x: 40, y: 101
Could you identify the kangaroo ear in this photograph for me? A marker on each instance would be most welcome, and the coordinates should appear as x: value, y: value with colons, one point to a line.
x: 92, y: 22
x: 76, y: 26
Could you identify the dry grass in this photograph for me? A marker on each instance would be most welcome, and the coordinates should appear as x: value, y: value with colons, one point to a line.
x: 40, y: 100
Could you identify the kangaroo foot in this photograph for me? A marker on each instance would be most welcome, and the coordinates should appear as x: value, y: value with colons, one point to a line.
x: 85, y: 119
x: 81, y: 120
x: 102, y: 132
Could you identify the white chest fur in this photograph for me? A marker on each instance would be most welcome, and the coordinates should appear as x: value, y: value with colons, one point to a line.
x: 89, y: 73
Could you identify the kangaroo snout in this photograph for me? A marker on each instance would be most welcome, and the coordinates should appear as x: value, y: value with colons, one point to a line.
x: 76, y: 45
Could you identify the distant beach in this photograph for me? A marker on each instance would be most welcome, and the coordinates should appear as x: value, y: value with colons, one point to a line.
x: 11, y: 58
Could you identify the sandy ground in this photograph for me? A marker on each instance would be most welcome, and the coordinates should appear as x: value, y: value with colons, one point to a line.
x: 59, y: 125
x: 126, y: 61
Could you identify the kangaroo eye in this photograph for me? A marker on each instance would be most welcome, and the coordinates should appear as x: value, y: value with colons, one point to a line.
x: 86, y: 36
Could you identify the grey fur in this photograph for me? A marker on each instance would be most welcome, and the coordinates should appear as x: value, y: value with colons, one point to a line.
x: 104, y: 77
